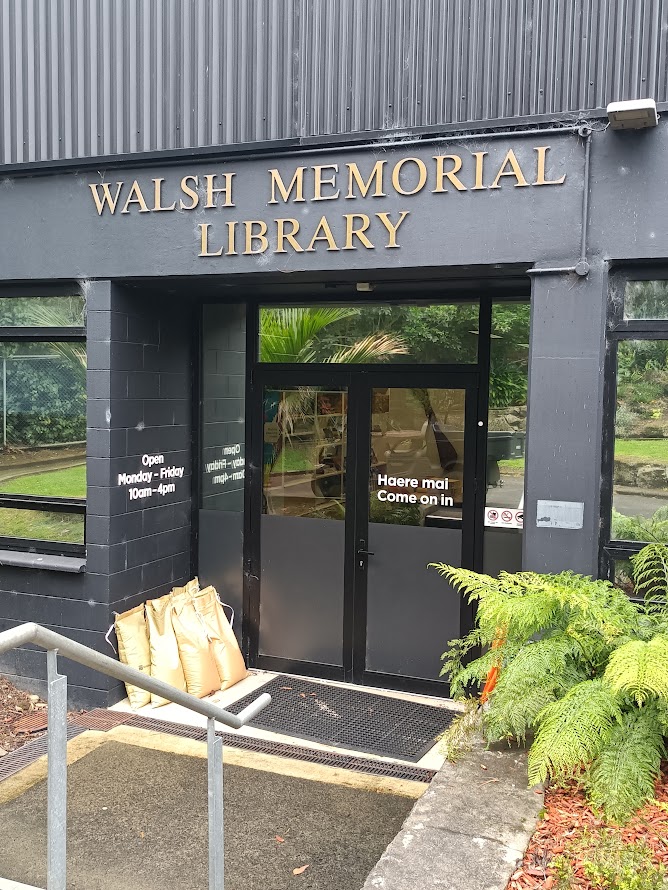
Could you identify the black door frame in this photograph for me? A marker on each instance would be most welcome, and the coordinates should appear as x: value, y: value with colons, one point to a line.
x: 468, y: 382
x: 487, y: 293
x: 359, y: 382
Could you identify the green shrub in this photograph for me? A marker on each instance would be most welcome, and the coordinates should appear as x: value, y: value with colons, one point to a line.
x: 609, y: 863
x: 581, y: 668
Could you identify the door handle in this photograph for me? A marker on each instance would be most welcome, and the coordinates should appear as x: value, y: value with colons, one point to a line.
x: 365, y: 553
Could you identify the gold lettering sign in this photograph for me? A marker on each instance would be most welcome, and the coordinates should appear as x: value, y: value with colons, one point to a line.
x: 443, y: 176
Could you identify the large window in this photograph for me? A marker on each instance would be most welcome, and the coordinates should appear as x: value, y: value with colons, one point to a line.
x: 419, y: 333
x: 636, y: 508
x: 42, y: 423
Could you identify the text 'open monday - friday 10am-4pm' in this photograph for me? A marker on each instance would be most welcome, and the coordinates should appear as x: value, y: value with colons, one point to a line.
x: 140, y: 485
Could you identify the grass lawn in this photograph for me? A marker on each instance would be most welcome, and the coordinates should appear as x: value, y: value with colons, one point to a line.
x: 67, y: 483
x: 42, y: 526
x: 646, y: 449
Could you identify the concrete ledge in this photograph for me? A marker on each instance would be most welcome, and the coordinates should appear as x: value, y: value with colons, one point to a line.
x: 468, y: 831
x: 27, y: 560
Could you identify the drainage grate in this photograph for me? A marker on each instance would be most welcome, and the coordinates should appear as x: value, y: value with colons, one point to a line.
x: 101, y: 719
x: 294, y: 752
x: 30, y: 752
x: 346, y: 717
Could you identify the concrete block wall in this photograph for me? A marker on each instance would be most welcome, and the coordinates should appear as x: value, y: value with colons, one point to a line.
x: 139, y: 402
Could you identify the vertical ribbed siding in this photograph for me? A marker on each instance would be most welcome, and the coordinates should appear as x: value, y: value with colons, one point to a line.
x: 81, y: 78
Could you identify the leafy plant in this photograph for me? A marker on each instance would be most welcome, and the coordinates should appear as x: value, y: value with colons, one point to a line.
x: 581, y: 667
x: 609, y: 863
x: 640, y: 528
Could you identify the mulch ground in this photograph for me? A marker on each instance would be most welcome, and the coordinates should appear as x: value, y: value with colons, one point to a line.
x: 567, y: 816
x: 22, y: 717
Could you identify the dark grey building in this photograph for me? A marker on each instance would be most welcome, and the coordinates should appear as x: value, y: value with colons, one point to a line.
x: 302, y: 296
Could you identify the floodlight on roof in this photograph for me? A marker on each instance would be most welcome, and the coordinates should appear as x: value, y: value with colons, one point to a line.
x: 634, y: 114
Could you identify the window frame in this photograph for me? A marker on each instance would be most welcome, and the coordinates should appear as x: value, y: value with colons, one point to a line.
x: 618, y: 329
x: 42, y: 334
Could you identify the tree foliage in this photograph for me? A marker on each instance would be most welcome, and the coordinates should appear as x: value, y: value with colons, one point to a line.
x: 582, y: 669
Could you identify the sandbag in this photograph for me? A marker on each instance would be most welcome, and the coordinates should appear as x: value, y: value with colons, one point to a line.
x: 195, y: 639
x: 191, y: 588
x: 226, y: 652
x: 134, y: 650
x: 165, y: 661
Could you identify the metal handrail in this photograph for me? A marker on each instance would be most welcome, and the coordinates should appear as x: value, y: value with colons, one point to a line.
x: 55, y: 643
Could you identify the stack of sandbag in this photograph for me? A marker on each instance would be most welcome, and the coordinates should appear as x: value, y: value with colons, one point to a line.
x: 183, y: 638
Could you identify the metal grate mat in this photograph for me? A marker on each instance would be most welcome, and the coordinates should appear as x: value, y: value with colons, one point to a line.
x: 294, y: 752
x: 30, y: 752
x: 345, y: 717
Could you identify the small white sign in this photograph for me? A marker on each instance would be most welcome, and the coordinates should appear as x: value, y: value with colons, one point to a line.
x: 499, y: 517
x: 559, y: 514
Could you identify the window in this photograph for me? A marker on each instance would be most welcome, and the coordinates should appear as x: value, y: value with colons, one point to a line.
x: 416, y: 333
x: 636, y: 498
x: 42, y: 423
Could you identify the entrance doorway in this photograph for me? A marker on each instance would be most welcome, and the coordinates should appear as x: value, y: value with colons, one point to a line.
x: 343, y: 448
x: 366, y: 478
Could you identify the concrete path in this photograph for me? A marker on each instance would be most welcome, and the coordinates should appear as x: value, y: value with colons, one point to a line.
x: 137, y: 815
x: 468, y: 831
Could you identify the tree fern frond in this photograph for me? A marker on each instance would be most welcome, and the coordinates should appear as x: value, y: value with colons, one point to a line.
x: 623, y: 775
x: 640, y: 668
x: 573, y: 730
x: 650, y: 575
x: 539, y: 674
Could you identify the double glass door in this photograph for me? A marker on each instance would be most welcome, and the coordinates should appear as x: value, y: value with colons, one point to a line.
x: 365, y: 479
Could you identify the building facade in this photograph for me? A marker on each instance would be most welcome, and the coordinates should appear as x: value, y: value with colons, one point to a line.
x: 302, y: 297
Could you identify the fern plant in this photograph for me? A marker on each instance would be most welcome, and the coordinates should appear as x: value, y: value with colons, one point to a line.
x: 582, y: 669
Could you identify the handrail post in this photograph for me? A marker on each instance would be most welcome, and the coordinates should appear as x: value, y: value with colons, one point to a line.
x: 56, y: 830
x: 215, y: 795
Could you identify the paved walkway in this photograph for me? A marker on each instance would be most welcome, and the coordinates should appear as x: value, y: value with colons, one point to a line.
x: 138, y: 821
x: 138, y: 818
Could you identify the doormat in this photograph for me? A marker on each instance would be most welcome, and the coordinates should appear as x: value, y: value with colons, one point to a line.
x: 346, y: 717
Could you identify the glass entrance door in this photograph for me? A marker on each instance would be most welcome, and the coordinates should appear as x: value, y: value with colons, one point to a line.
x: 303, y: 522
x: 417, y: 509
x: 366, y: 478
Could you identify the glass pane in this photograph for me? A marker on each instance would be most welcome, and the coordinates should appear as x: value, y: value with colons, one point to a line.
x: 417, y: 455
x: 50, y: 312
x: 646, y: 299
x: 40, y: 525
x: 507, y: 422
x: 43, y: 422
x: 623, y: 576
x: 305, y: 452
x: 422, y: 334
x: 640, y: 489
x: 223, y: 407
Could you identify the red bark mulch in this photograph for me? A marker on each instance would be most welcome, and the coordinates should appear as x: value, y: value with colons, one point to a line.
x: 567, y: 816
x: 21, y: 717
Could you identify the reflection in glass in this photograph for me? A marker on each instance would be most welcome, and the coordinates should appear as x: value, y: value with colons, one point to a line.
x: 646, y: 299
x: 417, y: 455
x: 623, y: 576
x: 304, y: 452
x: 508, y: 381
x: 640, y: 487
x: 39, y: 525
x: 368, y: 334
x: 43, y: 422
x: 50, y: 312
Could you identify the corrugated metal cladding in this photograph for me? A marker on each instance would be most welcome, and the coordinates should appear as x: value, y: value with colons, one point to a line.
x: 83, y: 78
